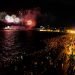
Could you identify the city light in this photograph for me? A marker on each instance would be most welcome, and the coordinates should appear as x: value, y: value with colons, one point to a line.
x: 7, y: 27
x: 42, y: 30
x: 49, y: 30
x: 71, y: 31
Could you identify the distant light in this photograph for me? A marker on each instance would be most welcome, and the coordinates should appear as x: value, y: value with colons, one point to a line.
x: 42, y: 30
x: 22, y: 57
x: 29, y: 22
x: 17, y: 20
x: 71, y: 31
x: 8, y: 27
x: 12, y: 19
x: 14, y: 16
x: 9, y: 19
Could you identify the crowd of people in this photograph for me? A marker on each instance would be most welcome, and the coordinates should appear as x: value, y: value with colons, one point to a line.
x: 50, y: 60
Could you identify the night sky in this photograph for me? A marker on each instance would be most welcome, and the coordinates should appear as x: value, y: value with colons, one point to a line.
x: 48, y: 5
x: 62, y: 10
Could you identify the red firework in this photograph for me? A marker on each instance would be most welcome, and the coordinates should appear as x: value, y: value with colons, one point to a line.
x: 29, y: 19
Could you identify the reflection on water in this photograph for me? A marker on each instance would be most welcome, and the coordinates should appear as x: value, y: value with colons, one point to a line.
x: 36, y: 53
x: 9, y: 40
